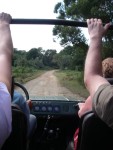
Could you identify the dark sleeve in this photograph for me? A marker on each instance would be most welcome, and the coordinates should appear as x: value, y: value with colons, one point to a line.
x: 103, y: 103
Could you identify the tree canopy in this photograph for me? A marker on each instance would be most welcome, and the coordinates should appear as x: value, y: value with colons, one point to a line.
x: 71, y: 37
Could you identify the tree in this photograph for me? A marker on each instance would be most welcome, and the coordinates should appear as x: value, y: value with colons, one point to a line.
x: 68, y: 35
x: 48, y: 58
x: 64, y: 58
x: 80, y: 10
x: 34, y: 53
x: 19, y: 57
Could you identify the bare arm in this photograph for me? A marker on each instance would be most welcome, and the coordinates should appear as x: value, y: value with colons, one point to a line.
x: 85, y: 107
x: 6, y: 49
x: 93, y: 65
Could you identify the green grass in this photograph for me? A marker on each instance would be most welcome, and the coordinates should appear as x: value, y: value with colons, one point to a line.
x: 73, y: 80
x: 23, y: 75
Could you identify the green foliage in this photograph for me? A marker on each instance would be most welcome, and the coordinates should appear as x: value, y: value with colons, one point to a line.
x: 72, y: 38
x: 68, y: 35
x: 21, y: 73
x: 36, y: 58
x: 73, y: 80
x: 72, y: 57
x: 48, y: 58
x: 34, y: 53
x: 64, y: 61
x: 19, y: 58
x: 24, y: 74
x: 82, y: 9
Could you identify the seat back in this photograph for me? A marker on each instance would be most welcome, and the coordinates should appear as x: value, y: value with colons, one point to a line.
x: 110, y: 80
x: 94, y: 134
x: 18, y: 138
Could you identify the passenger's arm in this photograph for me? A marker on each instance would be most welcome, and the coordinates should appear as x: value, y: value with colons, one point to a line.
x: 85, y: 107
x: 6, y: 49
x: 93, y: 64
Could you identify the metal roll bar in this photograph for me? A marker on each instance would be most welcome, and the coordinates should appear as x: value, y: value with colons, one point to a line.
x: 52, y: 22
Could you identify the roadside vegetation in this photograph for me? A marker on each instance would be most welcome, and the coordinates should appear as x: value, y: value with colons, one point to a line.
x: 73, y: 80
x: 31, y: 64
x: 23, y: 75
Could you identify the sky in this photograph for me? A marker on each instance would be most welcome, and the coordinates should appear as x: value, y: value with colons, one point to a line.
x: 26, y: 37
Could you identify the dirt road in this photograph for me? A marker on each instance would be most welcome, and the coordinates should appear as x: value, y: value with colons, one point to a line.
x: 48, y: 85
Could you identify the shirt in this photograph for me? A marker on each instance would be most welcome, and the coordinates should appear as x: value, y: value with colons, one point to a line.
x: 103, y: 103
x: 5, y: 114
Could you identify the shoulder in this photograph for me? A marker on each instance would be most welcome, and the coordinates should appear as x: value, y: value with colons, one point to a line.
x: 103, y: 103
x: 103, y: 97
x: 103, y: 90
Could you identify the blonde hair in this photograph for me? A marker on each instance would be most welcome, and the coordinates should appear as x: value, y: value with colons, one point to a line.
x: 107, y: 67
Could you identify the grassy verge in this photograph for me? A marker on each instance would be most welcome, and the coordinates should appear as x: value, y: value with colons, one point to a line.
x: 23, y: 75
x: 72, y: 80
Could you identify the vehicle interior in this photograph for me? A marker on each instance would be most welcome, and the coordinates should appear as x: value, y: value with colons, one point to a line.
x: 56, y: 122
x: 56, y: 119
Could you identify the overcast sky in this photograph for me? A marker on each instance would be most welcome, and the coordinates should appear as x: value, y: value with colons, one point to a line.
x: 26, y: 37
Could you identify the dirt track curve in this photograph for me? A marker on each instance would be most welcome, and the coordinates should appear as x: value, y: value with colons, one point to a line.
x: 48, y: 85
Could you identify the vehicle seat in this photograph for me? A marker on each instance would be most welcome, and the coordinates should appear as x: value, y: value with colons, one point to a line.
x: 94, y: 134
x: 32, y: 118
x: 18, y: 137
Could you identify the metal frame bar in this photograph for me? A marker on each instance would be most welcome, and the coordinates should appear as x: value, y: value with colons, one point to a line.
x: 52, y: 22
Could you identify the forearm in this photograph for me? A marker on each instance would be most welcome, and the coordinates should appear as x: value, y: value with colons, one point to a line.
x: 93, y: 65
x: 95, y: 59
x: 93, y: 77
x: 6, y: 45
x: 6, y: 51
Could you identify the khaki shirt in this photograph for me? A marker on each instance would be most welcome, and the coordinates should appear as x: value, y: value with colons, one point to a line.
x: 103, y: 103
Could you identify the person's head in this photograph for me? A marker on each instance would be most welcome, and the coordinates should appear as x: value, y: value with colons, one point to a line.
x: 107, y: 67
